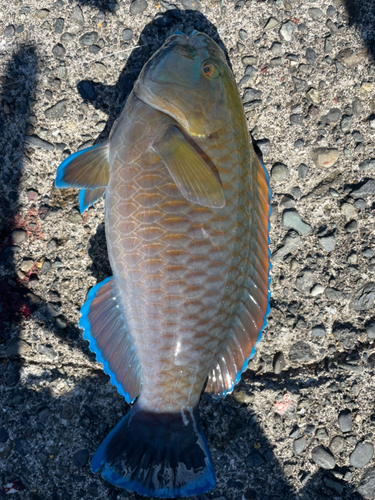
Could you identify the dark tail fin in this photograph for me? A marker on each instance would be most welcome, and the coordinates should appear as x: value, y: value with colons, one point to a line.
x: 163, y: 455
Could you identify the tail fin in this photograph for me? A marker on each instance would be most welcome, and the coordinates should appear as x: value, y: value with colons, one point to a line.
x: 162, y: 455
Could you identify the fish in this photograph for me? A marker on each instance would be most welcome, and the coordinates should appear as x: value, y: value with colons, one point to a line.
x: 187, y: 206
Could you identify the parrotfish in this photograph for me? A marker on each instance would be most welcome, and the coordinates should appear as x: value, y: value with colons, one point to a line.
x: 187, y: 205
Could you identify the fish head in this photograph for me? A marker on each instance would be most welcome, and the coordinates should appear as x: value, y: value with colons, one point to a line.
x: 189, y: 79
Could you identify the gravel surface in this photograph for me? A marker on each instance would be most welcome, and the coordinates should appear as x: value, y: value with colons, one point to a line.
x: 301, y: 422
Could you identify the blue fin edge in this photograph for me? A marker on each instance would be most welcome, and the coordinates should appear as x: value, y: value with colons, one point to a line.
x: 268, y: 310
x: 81, y: 199
x: 59, y: 183
x: 204, y: 486
x: 84, y: 324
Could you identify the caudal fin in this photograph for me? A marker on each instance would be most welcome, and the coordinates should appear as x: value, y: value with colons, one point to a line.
x: 162, y: 455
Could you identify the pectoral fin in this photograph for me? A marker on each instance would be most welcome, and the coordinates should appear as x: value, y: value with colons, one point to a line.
x: 198, y: 181
x: 87, y: 169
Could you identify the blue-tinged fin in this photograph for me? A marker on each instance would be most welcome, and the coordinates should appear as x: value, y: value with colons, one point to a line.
x: 104, y: 326
x: 88, y: 168
x: 240, y: 346
x: 160, y: 455
x: 89, y: 196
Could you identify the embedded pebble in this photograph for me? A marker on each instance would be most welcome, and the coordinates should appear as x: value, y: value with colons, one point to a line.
x: 299, y: 84
x: 42, y: 14
x: 351, y: 226
x: 279, y: 172
x: 265, y: 146
x: 365, y: 189
x: 348, y: 210
x: 364, y: 298
x: 276, y: 49
x: 137, y: 7
x: 56, y: 111
x: 315, y: 13
x: 291, y: 242
x: 59, y: 51
x: 59, y: 26
x: 23, y: 446
x: 324, y: 157
x: 348, y: 57
x: 310, y: 55
x: 302, y: 170
x: 4, y: 436
x: 87, y: 91
x: 318, y: 331
x: 127, y: 34
x: 332, y: 116
x: 286, y: 31
x: 323, y: 457
x: 367, y: 164
x: 278, y: 363
x: 304, y: 281
x: 77, y: 16
x: 292, y: 219
x: 40, y: 143
x: 271, y: 23
x: 316, y: 290
x: 327, y: 243
x: 299, y: 352
x: 345, y: 420
x: 366, y: 486
x: 370, y: 330
x: 337, y: 444
x: 19, y: 236
x: 9, y: 31
x: 361, y: 455
x: 89, y: 38
x: 299, y: 445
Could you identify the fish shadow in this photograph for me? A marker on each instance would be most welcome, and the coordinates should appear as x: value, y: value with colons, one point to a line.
x: 104, y: 5
x: 111, y: 98
x: 361, y: 13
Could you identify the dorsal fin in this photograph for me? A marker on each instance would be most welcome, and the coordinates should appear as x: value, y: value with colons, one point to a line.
x: 105, y: 328
x: 239, y: 347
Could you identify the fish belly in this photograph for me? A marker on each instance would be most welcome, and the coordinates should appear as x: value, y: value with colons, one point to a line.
x: 181, y: 268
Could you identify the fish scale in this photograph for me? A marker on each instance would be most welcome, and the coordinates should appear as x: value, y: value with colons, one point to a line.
x: 175, y: 228
x: 187, y: 210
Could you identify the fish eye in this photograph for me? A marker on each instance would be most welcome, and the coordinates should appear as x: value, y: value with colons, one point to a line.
x: 210, y: 70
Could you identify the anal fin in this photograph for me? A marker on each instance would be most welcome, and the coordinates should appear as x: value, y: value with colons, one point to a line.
x: 104, y: 326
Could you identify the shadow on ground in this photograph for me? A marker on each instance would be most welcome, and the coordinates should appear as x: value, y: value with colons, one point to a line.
x: 46, y: 440
x: 362, y: 14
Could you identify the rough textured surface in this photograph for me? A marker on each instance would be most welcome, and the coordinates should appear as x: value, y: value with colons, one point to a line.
x: 57, y: 403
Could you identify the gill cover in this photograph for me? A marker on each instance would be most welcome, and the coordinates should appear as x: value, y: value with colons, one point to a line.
x: 174, y: 82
